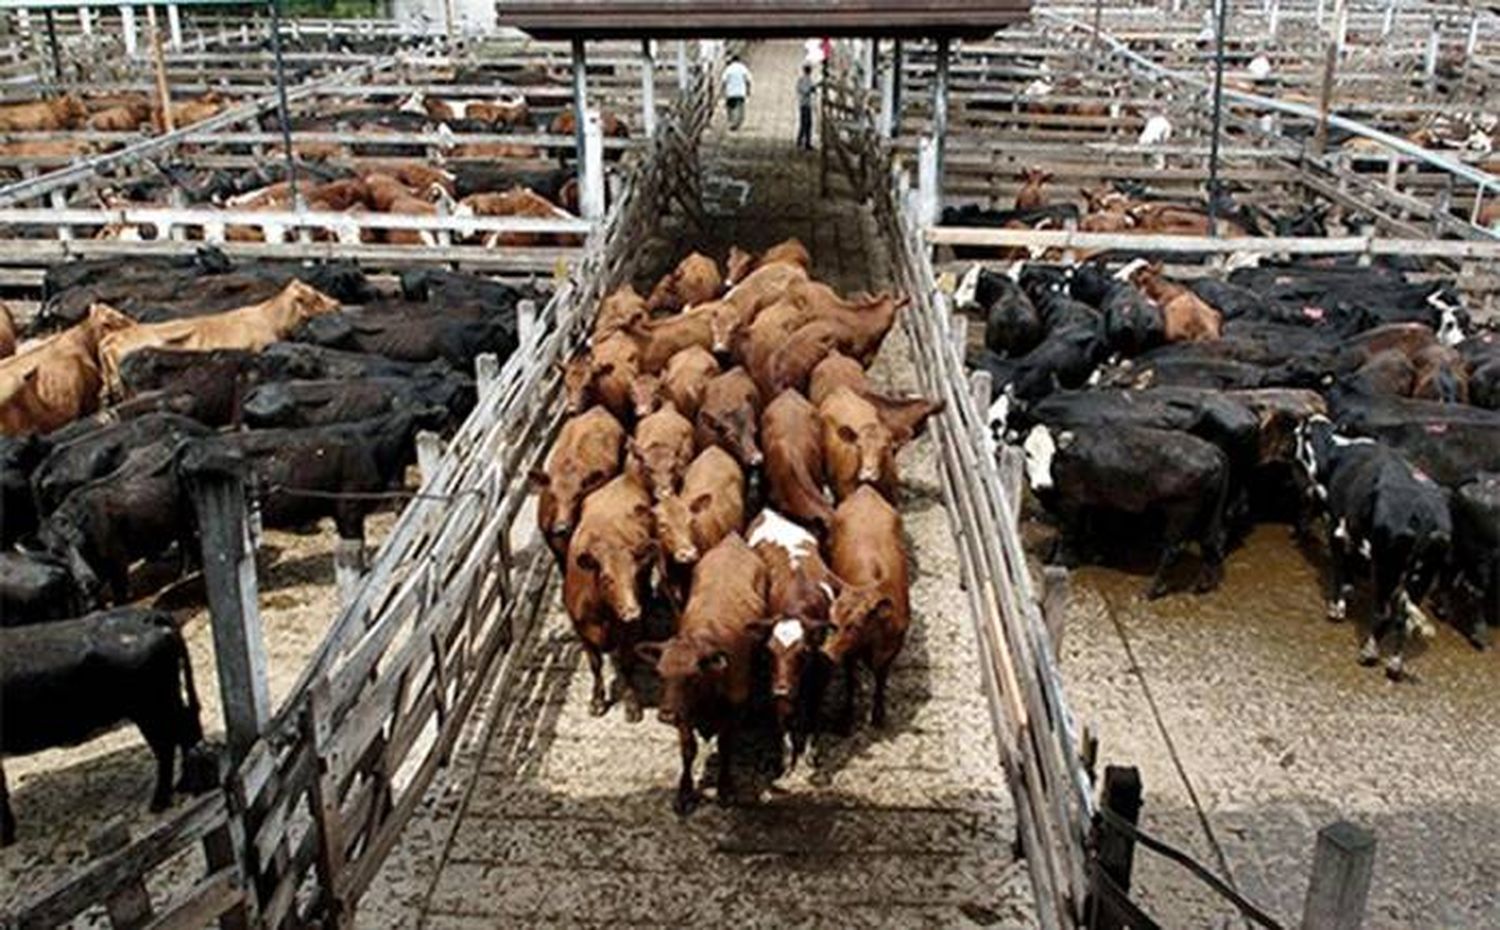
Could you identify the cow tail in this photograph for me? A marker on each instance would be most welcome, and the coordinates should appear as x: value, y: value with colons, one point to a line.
x: 194, y: 722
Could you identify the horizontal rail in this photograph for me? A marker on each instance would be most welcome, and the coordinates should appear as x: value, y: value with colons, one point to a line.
x: 290, y: 219
x: 1159, y: 242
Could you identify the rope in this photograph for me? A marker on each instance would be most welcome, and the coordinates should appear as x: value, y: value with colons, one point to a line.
x: 1201, y: 872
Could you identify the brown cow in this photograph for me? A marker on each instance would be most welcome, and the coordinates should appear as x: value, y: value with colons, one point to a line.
x: 866, y: 321
x: 645, y: 395
x: 588, y: 452
x: 729, y: 415
x: 800, y: 592
x: 523, y: 202
x: 903, y: 416
x: 252, y: 327
x: 603, y: 376
x: 791, y: 438
x: 1186, y: 317
x: 857, y: 447
x: 771, y: 327
x: 188, y: 112
x: 7, y: 332
x: 687, y: 374
x: 606, y: 581
x: 872, y: 613
x: 1031, y: 196
x: 123, y: 117
x: 789, y: 251
x: 695, y: 279
x: 1387, y: 373
x: 59, y: 379
x: 707, y: 667
x: 710, y: 506
x: 763, y: 287
x: 664, y: 338
x: 620, y: 310
x: 64, y: 112
x: 660, y: 451
x: 1441, y: 374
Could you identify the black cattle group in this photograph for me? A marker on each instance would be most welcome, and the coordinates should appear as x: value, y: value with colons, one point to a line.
x: 325, y: 421
x: 1352, y: 393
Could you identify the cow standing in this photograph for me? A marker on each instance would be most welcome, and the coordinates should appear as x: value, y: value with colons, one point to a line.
x: 588, y: 452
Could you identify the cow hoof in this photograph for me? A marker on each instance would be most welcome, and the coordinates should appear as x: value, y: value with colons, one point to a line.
x: 598, y: 707
x: 1481, y: 637
x: 1369, y: 653
x: 1394, y: 669
x: 633, y: 713
x: 1156, y: 591
x: 684, y: 804
x: 159, y: 804
x: 1337, y: 611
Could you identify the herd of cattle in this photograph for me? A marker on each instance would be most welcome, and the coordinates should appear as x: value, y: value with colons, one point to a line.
x: 717, y: 397
x: 138, y: 368
x: 1291, y: 391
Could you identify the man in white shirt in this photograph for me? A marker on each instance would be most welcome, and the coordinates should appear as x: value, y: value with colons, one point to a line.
x: 736, y: 89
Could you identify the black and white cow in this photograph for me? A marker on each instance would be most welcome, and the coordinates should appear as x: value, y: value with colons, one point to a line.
x: 64, y: 683
x: 1386, y: 513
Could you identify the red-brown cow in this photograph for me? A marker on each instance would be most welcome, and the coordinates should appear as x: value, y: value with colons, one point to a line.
x: 729, y: 416
x: 792, y: 442
x: 858, y: 446
x: 660, y: 451
x: 903, y: 416
x: 603, y: 376
x: 707, y: 667
x: 710, y: 506
x: 1032, y: 195
x: 696, y: 279
x: 688, y: 373
x: 7, y: 332
x: 865, y: 322
x: 788, y: 251
x: 587, y: 454
x: 872, y: 612
x: 621, y: 310
x: 605, y: 584
x: 1185, y: 315
x: 664, y: 338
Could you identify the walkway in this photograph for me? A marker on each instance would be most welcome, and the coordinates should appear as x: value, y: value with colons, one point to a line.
x: 550, y: 817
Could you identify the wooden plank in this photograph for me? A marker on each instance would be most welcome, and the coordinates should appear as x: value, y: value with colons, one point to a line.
x: 211, y: 897
x: 1343, y: 863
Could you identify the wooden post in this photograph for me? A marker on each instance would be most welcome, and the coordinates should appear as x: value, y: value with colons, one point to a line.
x: 648, y: 89
x: 486, y: 372
x: 216, y: 482
x: 348, y: 567
x: 580, y: 109
x: 1325, y: 94
x: 85, y: 21
x: 429, y: 453
x: 928, y: 210
x: 940, y: 122
x: 682, y: 65
x: 127, y: 29
x: 128, y: 905
x: 591, y: 188
x: 1274, y: 18
x: 1390, y: 18
x: 888, y: 79
x: 1055, y: 604
x: 526, y: 324
x: 174, y: 26
x: 1429, y: 66
x: 1116, y: 848
x: 1343, y: 862
x: 159, y: 67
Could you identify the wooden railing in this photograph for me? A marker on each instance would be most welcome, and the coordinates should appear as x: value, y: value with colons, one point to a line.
x: 306, y: 818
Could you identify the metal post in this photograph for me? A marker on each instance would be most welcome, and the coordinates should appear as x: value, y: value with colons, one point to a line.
x: 216, y: 481
x: 127, y: 29
x: 591, y: 188
x: 1218, y: 118
x: 897, y: 57
x: 1343, y: 861
x: 57, y: 65
x: 174, y: 26
x: 281, y: 109
x: 888, y: 79
x: 580, y: 108
x: 1275, y: 18
x: 1325, y: 93
x: 682, y: 65
x: 159, y: 68
x: 940, y: 122
x: 929, y: 202
x: 1429, y: 67
x: 648, y: 89
x: 85, y: 21
x: 1473, y: 41
x: 1390, y: 18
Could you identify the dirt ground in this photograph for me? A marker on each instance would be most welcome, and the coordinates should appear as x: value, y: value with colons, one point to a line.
x: 1279, y: 732
x: 63, y: 796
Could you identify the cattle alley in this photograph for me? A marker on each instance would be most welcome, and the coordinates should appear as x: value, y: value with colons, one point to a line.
x: 567, y: 819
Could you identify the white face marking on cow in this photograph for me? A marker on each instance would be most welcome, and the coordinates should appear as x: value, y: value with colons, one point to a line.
x: 1158, y: 130
x: 968, y: 287
x: 787, y: 632
x: 777, y: 530
x: 1341, y: 531
x: 1341, y: 442
x: 1040, y: 448
x: 999, y: 413
x: 1129, y: 269
x: 413, y: 104
x: 1260, y: 67
x: 1337, y: 609
x: 1364, y: 548
x: 1014, y: 271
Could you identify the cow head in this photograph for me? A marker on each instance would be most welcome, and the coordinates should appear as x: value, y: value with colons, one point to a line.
x: 674, y: 525
x: 645, y: 395
x: 738, y: 266
x: 1035, y: 177
x: 618, y: 571
x: 723, y: 325
x: 856, y: 613
x: 305, y: 301
x: 658, y: 465
x: 1314, y: 449
x: 579, y: 375
x: 104, y: 319
x: 735, y: 430
x: 565, y: 493
x: 1039, y: 447
x: 874, y: 445
x: 688, y: 665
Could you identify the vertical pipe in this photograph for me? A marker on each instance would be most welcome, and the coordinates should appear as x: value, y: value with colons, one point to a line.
x: 1275, y: 18
x: 1325, y: 93
x: 888, y: 99
x: 940, y: 117
x: 682, y: 65
x: 85, y: 21
x: 282, y: 115
x: 159, y: 69
x: 1429, y: 66
x: 57, y: 65
x: 580, y: 111
x: 648, y: 89
x: 897, y: 58
x: 1390, y: 18
x: 1218, y: 118
x: 174, y: 26
x: 127, y: 29
x: 1473, y: 40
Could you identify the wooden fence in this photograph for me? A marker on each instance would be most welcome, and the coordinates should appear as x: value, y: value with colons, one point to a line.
x: 308, y: 815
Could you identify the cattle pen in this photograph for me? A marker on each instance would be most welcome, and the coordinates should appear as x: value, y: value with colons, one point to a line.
x: 429, y: 762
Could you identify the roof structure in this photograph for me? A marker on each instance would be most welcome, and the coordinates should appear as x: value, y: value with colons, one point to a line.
x: 641, y: 19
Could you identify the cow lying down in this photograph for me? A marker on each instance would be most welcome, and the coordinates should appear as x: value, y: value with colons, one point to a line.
x: 64, y: 683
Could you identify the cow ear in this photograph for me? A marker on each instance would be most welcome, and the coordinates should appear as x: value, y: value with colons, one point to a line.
x: 648, y: 550
x: 586, y: 561
x: 539, y: 478
x: 847, y: 434
x: 605, y: 370
x: 761, y: 628
x: 650, y: 652
x: 701, y: 503
x: 716, y: 661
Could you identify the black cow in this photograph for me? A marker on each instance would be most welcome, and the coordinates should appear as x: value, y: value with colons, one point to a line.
x: 93, y: 455
x: 1481, y: 353
x: 213, y: 383
x: 19, y: 457
x: 1132, y: 323
x: 474, y: 177
x: 300, y: 476
x: 136, y: 511
x: 1188, y: 367
x: 449, y: 289
x: 64, y: 683
x: 1134, y: 470
x: 1012, y: 325
x: 411, y: 337
x: 1382, y: 510
x: 1352, y: 299
x: 34, y: 589
x: 1476, y: 549
x: 1242, y: 303
x: 319, y: 403
x: 1065, y: 359
x: 1453, y: 443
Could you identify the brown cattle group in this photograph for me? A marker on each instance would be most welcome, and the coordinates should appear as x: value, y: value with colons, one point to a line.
x: 66, y: 376
x: 747, y: 394
x: 104, y: 112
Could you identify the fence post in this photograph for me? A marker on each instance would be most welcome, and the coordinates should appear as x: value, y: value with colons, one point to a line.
x: 526, y: 324
x: 486, y: 373
x: 429, y: 454
x: 888, y: 79
x: 940, y: 121
x: 1343, y: 861
x: 928, y: 211
x: 648, y: 89
x: 174, y: 26
x: 591, y: 192
x: 682, y: 66
x: 128, y: 905
x: 127, y: 29
x: 1116, y: 849
x: 216, y: 481
x: 85, y: 21
x: 1055, y: 583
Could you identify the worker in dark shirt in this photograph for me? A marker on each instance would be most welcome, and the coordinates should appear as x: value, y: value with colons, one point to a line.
x: 806, y: 87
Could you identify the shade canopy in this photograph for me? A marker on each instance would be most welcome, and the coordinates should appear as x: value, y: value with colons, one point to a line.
x: 676, y: 19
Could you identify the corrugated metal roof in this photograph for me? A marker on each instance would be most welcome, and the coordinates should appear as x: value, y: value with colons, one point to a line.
x: 606, y: 19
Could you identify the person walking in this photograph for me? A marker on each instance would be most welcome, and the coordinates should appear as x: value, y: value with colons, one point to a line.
x: 736, y: 89
x: 806, y: 87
